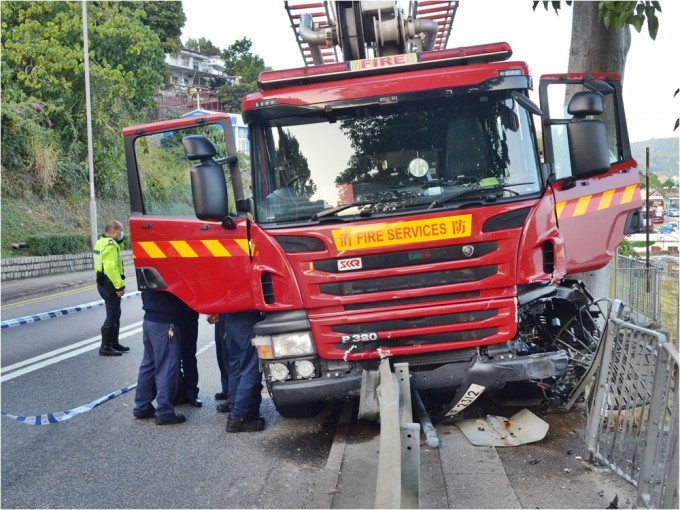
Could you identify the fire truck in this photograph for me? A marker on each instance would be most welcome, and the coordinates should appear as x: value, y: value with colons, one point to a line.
x: 399, y: 203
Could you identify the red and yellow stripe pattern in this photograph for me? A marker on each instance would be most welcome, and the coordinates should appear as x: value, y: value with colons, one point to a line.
x: 597, y: 202
x: 205, y: 248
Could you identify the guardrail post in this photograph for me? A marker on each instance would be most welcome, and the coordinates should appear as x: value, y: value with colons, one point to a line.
x: 398, y: 478
x: 388, y: 485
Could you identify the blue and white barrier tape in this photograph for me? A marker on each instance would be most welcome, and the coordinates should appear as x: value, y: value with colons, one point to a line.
x: 47, y: 419
x: 58, y: 313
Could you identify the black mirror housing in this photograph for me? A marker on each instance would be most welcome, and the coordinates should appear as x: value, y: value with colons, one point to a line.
x: 208, y: 184
x: 588, y: 145
x: 198, y: 147
x: 209, y: 190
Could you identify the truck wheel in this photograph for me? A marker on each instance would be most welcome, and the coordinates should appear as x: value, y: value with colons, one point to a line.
x: 306, y: 410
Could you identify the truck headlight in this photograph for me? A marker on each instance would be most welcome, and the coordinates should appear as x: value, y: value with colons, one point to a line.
x: 292, y: 344
x: 281, y: 346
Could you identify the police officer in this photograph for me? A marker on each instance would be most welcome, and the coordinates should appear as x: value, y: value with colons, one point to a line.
x: 245, y: 378
x: 159, y: 371
x: 108, y: 267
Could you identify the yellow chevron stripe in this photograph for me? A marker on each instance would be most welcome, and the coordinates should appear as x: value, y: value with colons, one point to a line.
x: 582, y: 205
x: 216, y: 248
x: 628, y: 194
x: 606, y: 199
x: 243, y: 243
x: 152, y: 250
x: 183, y: 248
x: 558, y: 209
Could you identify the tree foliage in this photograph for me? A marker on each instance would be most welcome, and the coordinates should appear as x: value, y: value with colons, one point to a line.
x: 239, y: 61
x: 203, y: 45
x: 166, y: 19
x: 43, y: 82
x: 620, y: 14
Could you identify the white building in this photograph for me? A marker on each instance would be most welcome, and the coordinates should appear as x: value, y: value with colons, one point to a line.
x: 194, y: 69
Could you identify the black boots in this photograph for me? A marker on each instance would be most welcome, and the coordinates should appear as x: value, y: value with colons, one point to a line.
x: 106, y: 348
x: 114, y: 341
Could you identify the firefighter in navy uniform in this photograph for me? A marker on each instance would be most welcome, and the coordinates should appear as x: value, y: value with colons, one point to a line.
x: 108, y: 267
x: 159, y: 370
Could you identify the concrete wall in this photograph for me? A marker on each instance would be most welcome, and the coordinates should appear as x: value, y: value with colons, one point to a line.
x: 30, y: 267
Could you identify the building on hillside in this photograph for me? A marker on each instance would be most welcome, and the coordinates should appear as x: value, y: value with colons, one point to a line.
x: 193, y: 69
x: 193, y: 76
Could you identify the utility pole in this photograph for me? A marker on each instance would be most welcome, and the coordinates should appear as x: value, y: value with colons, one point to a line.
x: 88, y: 110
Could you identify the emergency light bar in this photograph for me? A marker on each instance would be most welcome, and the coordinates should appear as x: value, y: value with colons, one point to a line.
x: 495, y: 52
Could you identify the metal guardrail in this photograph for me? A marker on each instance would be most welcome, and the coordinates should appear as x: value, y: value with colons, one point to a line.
x: 398, y: 477
x: 639, y: 287
x: 633, y: 417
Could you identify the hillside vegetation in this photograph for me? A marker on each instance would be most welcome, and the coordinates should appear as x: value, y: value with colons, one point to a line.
x: 663, y: 155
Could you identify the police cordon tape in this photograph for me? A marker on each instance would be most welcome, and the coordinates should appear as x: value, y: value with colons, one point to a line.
x: 58, y: 313
x: 47, y: 419
x: 50, y: 418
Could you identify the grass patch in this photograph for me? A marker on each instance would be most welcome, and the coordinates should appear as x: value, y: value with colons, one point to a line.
x: 53, y: 215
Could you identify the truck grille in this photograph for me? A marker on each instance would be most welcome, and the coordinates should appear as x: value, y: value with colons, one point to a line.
x: 410, y: 281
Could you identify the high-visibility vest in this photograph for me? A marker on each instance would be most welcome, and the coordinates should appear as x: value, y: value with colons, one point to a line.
x: 106, y: 258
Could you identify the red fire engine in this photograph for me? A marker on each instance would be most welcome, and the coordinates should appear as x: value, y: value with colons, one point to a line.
x: 400, y: 206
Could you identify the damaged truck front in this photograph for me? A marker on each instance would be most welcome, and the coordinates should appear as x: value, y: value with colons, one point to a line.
x: 401, y: 207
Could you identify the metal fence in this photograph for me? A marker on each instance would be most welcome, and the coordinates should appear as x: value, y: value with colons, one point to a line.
x: 639, y: 287
x: 633, y: 416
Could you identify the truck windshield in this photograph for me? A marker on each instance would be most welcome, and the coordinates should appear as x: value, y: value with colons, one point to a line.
x: 396, y: 158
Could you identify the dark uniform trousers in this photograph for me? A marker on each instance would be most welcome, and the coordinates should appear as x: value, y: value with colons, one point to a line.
x: 245, y: 378
x: 188, y: 326
x: 222, y: 351
x: 111, y: 302
x: 159, y: 370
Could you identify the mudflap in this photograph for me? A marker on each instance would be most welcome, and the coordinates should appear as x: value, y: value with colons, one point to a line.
x: 479, y: 377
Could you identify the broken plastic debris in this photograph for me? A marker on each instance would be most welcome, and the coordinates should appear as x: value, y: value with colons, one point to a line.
x: 523, y: 427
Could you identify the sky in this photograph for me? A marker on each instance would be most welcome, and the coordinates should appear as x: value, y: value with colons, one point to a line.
x: 541, y: 38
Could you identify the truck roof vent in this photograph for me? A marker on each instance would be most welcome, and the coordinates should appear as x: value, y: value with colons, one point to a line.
x: 267, y: 288
x: 548, y: 257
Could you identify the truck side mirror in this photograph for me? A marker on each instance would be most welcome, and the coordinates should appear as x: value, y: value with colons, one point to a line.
x: 208, y: 185
x: 588, y: 146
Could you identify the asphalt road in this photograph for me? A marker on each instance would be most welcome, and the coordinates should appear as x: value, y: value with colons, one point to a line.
x: 104, y: 458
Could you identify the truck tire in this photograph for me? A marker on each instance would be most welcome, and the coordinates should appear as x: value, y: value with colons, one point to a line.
x: 306, y: 410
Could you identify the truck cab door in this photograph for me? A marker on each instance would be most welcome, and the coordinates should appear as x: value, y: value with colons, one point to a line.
x: 593, y: 212
x: 204, y: 262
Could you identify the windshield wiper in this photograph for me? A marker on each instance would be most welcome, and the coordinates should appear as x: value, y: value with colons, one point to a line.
x: 499, y: 187
x: 357, y: 203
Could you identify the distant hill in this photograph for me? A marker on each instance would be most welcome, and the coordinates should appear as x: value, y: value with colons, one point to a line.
x: 663, y: 156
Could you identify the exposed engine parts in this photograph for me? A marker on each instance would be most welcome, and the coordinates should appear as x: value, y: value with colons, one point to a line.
x: 563, y: 317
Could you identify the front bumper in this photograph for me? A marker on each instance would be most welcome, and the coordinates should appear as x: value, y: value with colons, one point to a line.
x: 501, y: 369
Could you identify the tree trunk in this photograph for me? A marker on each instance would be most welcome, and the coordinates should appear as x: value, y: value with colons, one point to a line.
x: 595, y: 48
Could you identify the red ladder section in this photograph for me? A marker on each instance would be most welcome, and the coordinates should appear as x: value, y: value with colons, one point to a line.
x: 321, y: 15
x: 441, y: 12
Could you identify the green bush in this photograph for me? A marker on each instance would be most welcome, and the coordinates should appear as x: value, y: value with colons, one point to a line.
x: 57, y: 244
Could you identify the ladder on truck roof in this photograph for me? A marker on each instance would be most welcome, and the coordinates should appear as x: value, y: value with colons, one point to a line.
x: 440, y: 12
x: 322, y: 13
x: 322, y: 17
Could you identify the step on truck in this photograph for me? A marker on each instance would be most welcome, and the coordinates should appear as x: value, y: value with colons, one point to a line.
x: 394, y: 199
